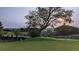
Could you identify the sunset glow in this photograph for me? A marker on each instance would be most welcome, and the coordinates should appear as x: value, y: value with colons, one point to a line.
x: 61, y: 20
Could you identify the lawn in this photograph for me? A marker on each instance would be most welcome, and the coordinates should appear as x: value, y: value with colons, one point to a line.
x: 40, y: 44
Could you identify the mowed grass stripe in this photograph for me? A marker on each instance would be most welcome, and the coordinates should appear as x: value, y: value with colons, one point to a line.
x: 40, y: 44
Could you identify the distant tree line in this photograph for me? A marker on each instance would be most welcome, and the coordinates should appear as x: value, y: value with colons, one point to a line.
x: 10, y: 34
x: 13, y: 29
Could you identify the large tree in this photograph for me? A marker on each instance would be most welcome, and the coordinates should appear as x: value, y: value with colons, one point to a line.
x: 43, y: 17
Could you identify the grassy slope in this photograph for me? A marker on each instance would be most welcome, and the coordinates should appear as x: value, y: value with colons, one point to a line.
x: 40, y: 45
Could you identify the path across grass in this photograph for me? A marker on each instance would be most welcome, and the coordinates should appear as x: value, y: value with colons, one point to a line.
x: 40, y: 44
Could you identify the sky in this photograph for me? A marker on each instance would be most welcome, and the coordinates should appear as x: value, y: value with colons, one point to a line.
x: 13, y: 17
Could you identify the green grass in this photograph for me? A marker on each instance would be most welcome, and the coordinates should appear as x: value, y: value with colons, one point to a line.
x: 40, y: 44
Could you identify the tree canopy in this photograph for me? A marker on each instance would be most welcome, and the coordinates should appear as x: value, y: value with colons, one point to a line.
x: 43, y: 17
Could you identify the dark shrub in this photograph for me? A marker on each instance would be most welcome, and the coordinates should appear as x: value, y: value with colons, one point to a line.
x: 66, y: 30
x: 48, y: 32
x: 33, y: 32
